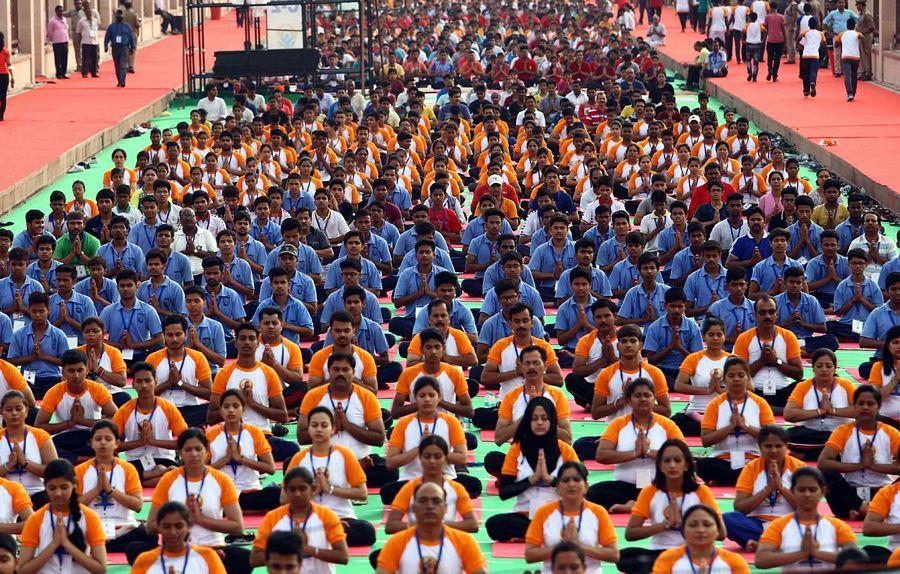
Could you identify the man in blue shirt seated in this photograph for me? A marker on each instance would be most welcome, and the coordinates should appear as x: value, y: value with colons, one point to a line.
x: 483, y: 252
x: 38, y: 346
x: 768, y: 274
x: 879, y: 321
x: 852, y: 227
x: 16, y: 288
x: 133, y: 326
x: 854, y: 298
x: 69, y: 309
x: 353, y: 247
x: 802, y: 314
x: 584, y: 257
x: 222, y: 303
x: 118, y: 253
x: 573, y: 318
x: 626, y: 273
x: 512, y: 270
x: 750, y: 249
x: 415, y: 288
x: 736, y: 310
x: 706, y: 285
x: 644, y: 302
x: 826, y: 271
x: 672, y: 337
x: 297, y: 320
x: 100, y: 288
x: 447, y: 288
x: 805, y: 236
x: 163, y: 294
x: 494, y: 273
x: 178, y: 266
x: 550, y: 260
x: 497, y: 326
x: 205, y: 334
x: 350, y: 273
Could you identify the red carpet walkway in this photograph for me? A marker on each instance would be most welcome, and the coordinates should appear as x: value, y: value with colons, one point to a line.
x: 867, y: 129
x: 44, y: 123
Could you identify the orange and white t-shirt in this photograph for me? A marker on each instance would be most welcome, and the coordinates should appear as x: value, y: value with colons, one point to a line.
x: 365, y: 363
x: 677, y: 561
x: 251, y: 441
x: 13, y: 500
x: 756, y: 412
x: 613, y: 380
x: 699, y: 366
x: 360, y: 407
x: 320, y: 524
x: 38, y: 533
x: 409, y: 431
x: 811, y: 40
x: 456, y: 344
x: 111, y: 360
x: 590, y: 348
x: 786, y: 534
x: 449, y: 377
x: 516, y: 464
x: 623, y: 433
x: 287, y: 353
x: 595, y: 528
x: 754, y: 478
x: 749, y: 347
x: 505, y: 354
x: 214, y: 491
x: 58, y: 401
x: 342, y: 469
x: 890, y: 405
x: 850, y: 41
x: 887, y: 505
x: 88, y: 207
x: 848, y: 440
x: 124, y: 478
x: 198, y: 560
x: 457, y: 499
x: 193, y: 368
x: 11, y: 378
x: 165, y: 419
x: 513, y: 405
x: 264, y: 383
x: 403, y: 553
x: 808, y: 397
x: 31, y: 445
x: 651, y: 505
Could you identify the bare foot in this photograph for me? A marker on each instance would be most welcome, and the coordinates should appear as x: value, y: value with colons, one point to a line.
x: 752, y: 546
x: 622, y: 508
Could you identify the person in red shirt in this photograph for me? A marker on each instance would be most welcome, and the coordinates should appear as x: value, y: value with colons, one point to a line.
x: 524, y: 67
x: 593, y: 111
x: 580, y: 69
x: 444, y: 220
x: 701, y: 195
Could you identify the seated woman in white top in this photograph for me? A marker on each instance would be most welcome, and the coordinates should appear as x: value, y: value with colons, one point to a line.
x: 818, y: 406
x: 339, y: 478
x: 885, y: 375
x: 631, y: 443
x: 175, y: 523
x: 105, y: 362
x: 731, y: 425
x: 702, y: 527
x: 15, y: 507
x: 31, y: 446
x: 110, y: 487
x: 803, y: 537
x: 658, y: 512
x: 241, y: 451
x: 763, y: 493
x: 531, y: 464
x: 700, y: 376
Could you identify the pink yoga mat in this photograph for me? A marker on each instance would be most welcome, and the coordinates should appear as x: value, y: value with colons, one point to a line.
x: 508, y: 549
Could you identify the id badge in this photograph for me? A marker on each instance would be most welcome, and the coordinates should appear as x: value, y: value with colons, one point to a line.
x: 738, y: 460
x: 147, y: 462
x: 864, y: 493
x: 80, y: 272
x: 643, y: 477
x: 856, y: 326
x: 72, y: 342
x: 127, y: 354
x: 29, y: 376
x: 802, y: 260
x: 769, y: 388
x: 118, y: 40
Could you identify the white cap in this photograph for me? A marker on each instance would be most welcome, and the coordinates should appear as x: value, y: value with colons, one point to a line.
x: 694, y: 118
x: 495, y: 180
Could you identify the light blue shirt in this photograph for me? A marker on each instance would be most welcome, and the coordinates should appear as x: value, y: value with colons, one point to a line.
x: 497, y: 327
x: 409, y: 282
x: 810, y: 311
x: 659, y: 334
x: 8, y: 290
x: 847, y: 232
x: 23, y: 240
x: 482, y: 249
x: 599, y: 283
x: 623, y: 276
x: 143, y: 235
x: 368, y: 337
x: 407, y: 242
x: 108, y: 291
x: 634, y: 305
x: 666, y: 239
x: 290, y: 204
x: 295, y: 313
x: 682, y: 264
x: 335, y: 302
x: 240, y: 271
x: 169, y: 294
x: 255, y: 251
x: 609, y: 251
x: 494, y: 273
x: 475, y: 227
x: 817, y: 269
x: 379, y: 250
x: 441, y: 259
x: 891, y: 266
x: 38, y: 275
x: 844, y: 292
x: 53, y: 344
x: 460, y: 318
x: 131, y: 257
x: 271, y: 231
x: 307, y: 260
x: 302, y: 288
x: 767, y: 271
x: 732, y: 315
x: 599, y: 238
x: 229, y: 302
x: 545, y: 258
x: 5, y: 329
x: 78, y: 306
x: 212, y: 334
x: 567, y: 317
x: 388, y: 231
x: 527, y: 294
x: 815, y: 237
x: 141, y: 321
x: 700, y: 286
x: 399, y: 197
x: 370, y: 277
x: 541, y: 237
x: 838, y: 19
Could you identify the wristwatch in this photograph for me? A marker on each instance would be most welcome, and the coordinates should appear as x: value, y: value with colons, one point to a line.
x: 779, y: 362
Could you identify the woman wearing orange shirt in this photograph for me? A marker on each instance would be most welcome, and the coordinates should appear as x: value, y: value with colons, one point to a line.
x: 175, y: 523
x: 699, y: 554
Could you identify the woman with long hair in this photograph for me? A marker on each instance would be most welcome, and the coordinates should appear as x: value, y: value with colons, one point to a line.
x: 63, y: 535
x: 574, y: 519
x: 111, y: 487
x: 174, y: 520
x: 529, y: 468
x: 325, y: 542
x: 701, y: 528
x: 885, y: 376
x: 24, y: 450
x: 763, y: 493
x: 658, y: 512
x: 804, y: 536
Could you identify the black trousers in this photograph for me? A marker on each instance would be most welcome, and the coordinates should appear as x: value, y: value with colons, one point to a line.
x: 72, y: 444
x: 779, y: 399
x: 612, y: 492
x: 4, y: 87
x: 683, y: 18
x: 717, y: 471
x: 637, y: 560
x: 586, y: 447
x: 773, y: 52
x: 90, y: 59
x: 194, y: 415
x: 877, y: 554
x: 485, y: 418
x: 843, y: 331
x: 120, y: 60
x: 580, y: 389
x: 266, y: 498
x: 389, y: 373
x: 493, y: 463
x: 807, y: 436
x: 359, y: 532
x: 402, y: 326
x: 377, y: 472
x: 733, y: 38
x: 138, y: 535
x: 841, y: 496
x: 473, y: 287
x: 61, y: 58
x: 507, y: 526
x: 688, y: 425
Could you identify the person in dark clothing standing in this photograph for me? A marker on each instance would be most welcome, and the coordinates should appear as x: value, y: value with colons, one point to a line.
x: 119, y: 35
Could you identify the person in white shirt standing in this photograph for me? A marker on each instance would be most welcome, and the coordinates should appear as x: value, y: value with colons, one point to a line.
x: 89, y: 29
x: 215, y: 107
x: 850, y: 41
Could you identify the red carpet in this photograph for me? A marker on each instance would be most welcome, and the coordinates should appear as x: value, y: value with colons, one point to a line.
x: 867, y: 129
x: 48, y: 121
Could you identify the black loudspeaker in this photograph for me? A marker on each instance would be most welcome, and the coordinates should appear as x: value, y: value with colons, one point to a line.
x: 290, y: 62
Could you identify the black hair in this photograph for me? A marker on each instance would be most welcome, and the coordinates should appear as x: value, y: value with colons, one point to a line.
x: 73, y: 357
x: 807, y: 471
x: 689, y: 480
x: 639, y: 382
x: 104, y: 424
x: 62, y: 468
x: 285, y: 543
x: 866, y: 388
x: 772, y: 430
x: 426, y: 381
x: 144, y: 366
x: 564, y: 546
x: 189, y: 433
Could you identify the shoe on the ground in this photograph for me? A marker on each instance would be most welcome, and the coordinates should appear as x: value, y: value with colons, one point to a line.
x: 279, y: 430
x: 812, y: 90
x: 850, y: 98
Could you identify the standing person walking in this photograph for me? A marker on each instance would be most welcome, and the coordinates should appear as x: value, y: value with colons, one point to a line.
x: 836, y: 23
x: 119, y: 35
x: 89, y: 28
x: 134, y: 21
x: 6, y: 75
x: 849, y: 41
x: 775, y: 38
x: 74, y: 17
x: 866, y: 27
x: 811, y: 44
x: 58, y: 36
x: 792, y: 15
x: 753, y: 46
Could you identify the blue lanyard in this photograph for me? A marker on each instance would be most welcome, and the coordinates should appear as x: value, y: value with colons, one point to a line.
x: 127, y: 326
x: 419, y: 548
x: 233, y: 464
x: 516, y: 347
x: 104, y: 496
x: 622, y: 379
x: 802, y: 530
x: 580, y: 515
x: 714, y: 287
x: 187, y: 492
x: 312, y: 465
x: 690, y: 560
x: 553, y: 252
x: 162, y: 559
x: 59, y: 551
x: 9, y: 444
x: 149, y: 419
x: 637, y: 432
x: 791, y: 308
x: 333, y: 406
x: 434, y: 426
x: 859, y: 444
x: 737, y: 432
x: 743, y: 319
x: 151, y: 238
x: 830, y: 392
x: 305, y: 520
x: 680, y: 506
